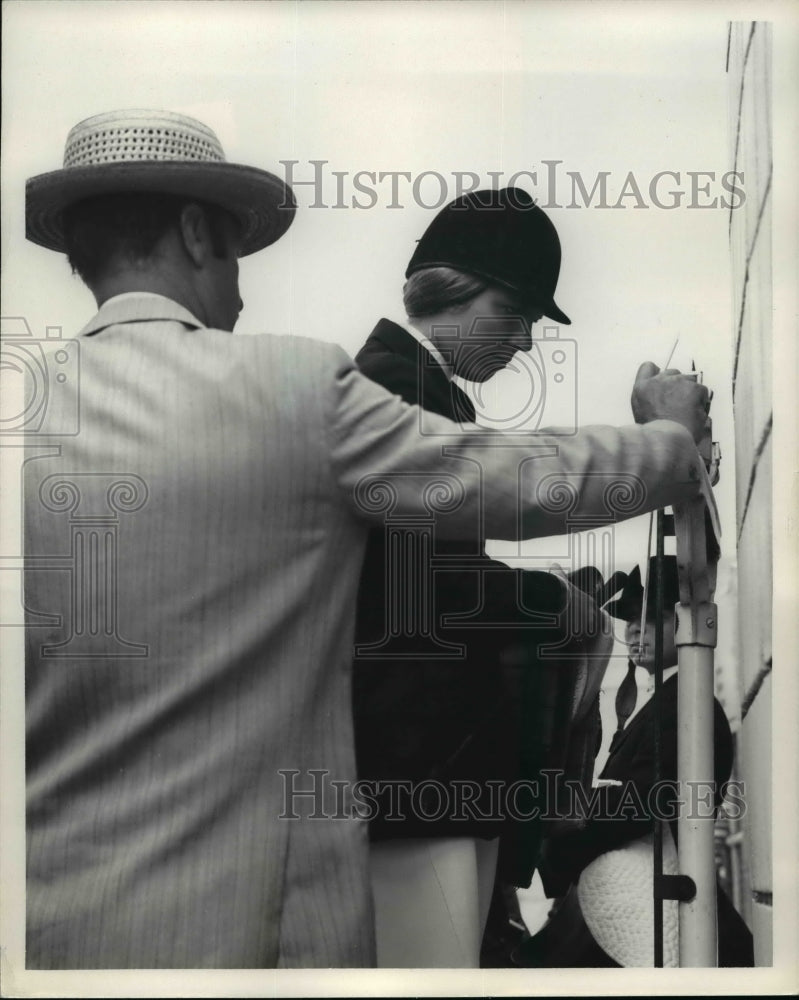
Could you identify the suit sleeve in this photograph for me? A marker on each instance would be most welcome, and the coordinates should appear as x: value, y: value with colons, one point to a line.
x: 389, y: 457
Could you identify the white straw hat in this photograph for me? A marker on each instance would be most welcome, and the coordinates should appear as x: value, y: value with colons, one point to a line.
x: 161, y: 152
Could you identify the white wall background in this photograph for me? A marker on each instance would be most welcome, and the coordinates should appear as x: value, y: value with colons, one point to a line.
x: 751, y: 243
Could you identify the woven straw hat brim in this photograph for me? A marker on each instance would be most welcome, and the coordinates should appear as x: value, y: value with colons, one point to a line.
x: 264, y: 205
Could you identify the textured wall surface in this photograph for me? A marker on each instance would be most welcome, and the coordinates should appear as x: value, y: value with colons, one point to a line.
x: 749, y: 75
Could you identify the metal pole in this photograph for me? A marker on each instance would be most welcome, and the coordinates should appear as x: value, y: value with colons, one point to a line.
x: 697, y: 918
x: 697, y: 532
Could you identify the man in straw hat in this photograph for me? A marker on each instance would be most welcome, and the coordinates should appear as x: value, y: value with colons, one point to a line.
x: 189, y: 727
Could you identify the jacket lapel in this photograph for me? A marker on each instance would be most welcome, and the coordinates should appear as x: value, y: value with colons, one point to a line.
x: 440, y: 395
x: 643, y: 718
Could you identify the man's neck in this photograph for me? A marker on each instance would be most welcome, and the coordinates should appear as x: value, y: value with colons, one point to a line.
x: 149, y: 282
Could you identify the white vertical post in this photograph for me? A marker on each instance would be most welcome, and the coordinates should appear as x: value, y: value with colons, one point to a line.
x: 695, y: 824
x: 695, y: 637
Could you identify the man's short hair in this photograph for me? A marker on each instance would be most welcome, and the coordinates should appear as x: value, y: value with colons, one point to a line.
x: 434, y: 289
x: 127, y: 226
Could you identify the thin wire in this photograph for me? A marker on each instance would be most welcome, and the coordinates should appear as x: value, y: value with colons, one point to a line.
x: 657, y: 859
x: 672, y: 352
x: 645, y: 597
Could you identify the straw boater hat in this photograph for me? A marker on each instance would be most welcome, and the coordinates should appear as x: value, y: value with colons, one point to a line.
x: 161, y: 152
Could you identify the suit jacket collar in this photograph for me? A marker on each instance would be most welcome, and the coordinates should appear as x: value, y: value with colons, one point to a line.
x: 139, y: 307
x: 397, y: 339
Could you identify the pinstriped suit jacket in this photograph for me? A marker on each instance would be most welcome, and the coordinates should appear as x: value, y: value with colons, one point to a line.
x: 193, y: 556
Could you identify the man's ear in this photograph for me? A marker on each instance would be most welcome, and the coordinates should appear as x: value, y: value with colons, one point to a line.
x: 194, y: 233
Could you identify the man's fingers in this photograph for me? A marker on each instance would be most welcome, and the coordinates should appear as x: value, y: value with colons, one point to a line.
x: 647, y: 370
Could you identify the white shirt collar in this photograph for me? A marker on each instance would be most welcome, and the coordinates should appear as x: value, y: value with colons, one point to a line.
x: 650, y: 680
x: 124, y: 296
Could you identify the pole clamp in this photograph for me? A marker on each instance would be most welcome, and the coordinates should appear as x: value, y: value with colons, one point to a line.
x: 679, y: 887
x: 696, y: 624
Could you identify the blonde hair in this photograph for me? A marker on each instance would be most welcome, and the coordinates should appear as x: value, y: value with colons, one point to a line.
x: 434, y: 289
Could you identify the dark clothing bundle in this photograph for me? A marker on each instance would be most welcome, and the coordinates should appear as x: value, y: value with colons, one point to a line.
x: 565, y: 941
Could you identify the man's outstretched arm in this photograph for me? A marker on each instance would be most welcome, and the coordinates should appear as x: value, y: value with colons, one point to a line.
x: 520, y: 485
